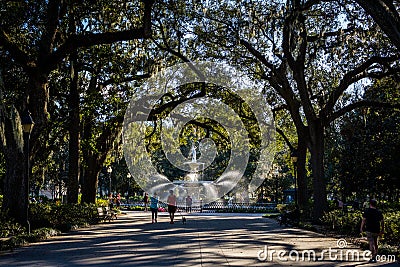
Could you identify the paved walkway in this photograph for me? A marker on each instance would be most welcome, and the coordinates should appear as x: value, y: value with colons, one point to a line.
x: 205, y: 240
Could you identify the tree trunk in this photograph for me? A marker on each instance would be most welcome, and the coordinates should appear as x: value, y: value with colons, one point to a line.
x: 94, y: 160
x: 302, y: 195
x: 317, y: 164
x: 15, y: 182
x: 15, y: 200
x: 38, y: 100
x: 89, y: 186
x: 74, y: 130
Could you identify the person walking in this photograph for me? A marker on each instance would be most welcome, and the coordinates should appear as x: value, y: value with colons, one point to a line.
x: 118, y: 201
x: 171, y: 201
x: 110, y: 201
x: 154, y: 207
x: 146, y: 201
x: 189, y: 203
x: 373, y: 224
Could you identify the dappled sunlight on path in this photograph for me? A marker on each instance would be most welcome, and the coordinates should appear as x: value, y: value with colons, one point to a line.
x: 205, y: 240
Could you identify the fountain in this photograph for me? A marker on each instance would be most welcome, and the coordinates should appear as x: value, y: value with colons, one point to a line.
x: 194, y: 166
x: 203, y: 191
x: 195, y: 169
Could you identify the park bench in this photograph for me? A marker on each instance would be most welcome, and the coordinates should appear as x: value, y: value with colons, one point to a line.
x: 104, y: 214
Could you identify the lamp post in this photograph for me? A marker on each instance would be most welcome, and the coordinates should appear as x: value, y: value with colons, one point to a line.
x: 294, y: 157
x: 27, y: 125
x: 109, y: 171
x: 275, y: 175
x: 128, y: 176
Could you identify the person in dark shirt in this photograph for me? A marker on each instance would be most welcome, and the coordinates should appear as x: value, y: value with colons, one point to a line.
x: 189, y: 203
x: 373, y: 224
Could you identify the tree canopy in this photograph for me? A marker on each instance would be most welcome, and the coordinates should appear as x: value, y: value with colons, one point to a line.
x: 326, y: 68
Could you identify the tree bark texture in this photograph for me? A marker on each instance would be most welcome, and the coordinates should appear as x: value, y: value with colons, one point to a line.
x: 317, y: 137
x: 89, y: 181
x: 302, y: 194
x: 95, y: 160
x: 15, y: 200
x: 74, y: 137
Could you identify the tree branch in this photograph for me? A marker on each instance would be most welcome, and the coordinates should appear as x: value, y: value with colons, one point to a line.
x: 20, y: 56
x: 352, y: 76
x: 256, y: 54
x: 125, y: 79
x: 88, y: 39
x: 386, y: 16
x: 362, y: 103
x: 279, y: 131
x: 48, y: 37
x: 297, y: 65
x: 182, y: 57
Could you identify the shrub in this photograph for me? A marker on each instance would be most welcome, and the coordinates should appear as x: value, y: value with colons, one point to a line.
x: 41, y: 234
x: 13, y: 242
x: 386, y: 206
x: 10, y: 231
x: 102, y: 202
x: 343, y: 223
x: 281, y: 207
x: 392, y: 228
x: 135, y: 199
x: 43, y: 198
x: 46, y: 220
x: 349, y: 224
x: 40, y: 214
x: 62, y: 217
x: 8, y: 227
x: 332, y: 204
